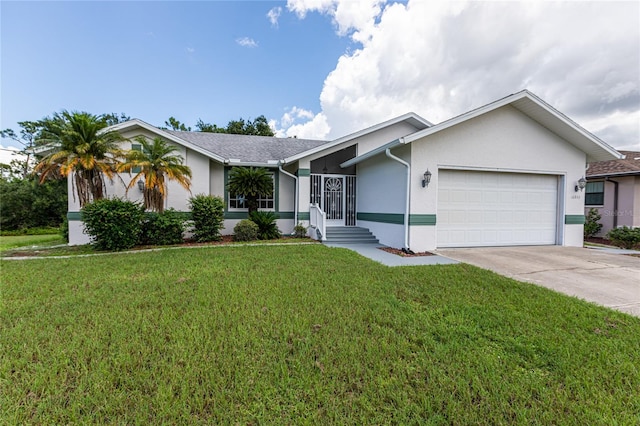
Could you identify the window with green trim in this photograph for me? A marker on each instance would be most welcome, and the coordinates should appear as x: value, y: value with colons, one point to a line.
x: 594, y: 194
x: 238, y: 201
x: 136, y: 147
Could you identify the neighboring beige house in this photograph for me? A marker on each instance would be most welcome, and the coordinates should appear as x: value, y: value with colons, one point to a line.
x: 499, y: 175
x: 613, y: 188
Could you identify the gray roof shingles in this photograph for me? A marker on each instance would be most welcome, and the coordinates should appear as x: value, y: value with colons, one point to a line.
x: 248, y: 149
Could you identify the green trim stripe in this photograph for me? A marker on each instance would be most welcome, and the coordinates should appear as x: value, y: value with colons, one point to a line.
x: 574, y: 219
x: 422, y: 219
x: 395, y: 218
x: 303, y: 172
x: 74, y: 216
x: 245, y: 215
x: 398, y: 218
x: 304, y: 216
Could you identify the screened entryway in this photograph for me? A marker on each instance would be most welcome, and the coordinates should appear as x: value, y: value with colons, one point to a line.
x: 336, y: 196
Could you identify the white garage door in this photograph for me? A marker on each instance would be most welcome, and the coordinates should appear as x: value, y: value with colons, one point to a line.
x: 496, y: 209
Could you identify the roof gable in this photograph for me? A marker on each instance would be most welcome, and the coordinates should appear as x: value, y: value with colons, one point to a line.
x: 540, y: 112
x: 412, y: 118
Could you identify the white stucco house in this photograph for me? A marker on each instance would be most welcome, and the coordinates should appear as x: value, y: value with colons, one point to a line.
x: 502, y: 174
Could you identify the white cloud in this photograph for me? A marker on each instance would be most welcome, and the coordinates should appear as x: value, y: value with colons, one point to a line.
x: 190, y: 50
x: 300, y: 123
x: 440, y: 59
x: 274, y: 15
x: 247, y: 42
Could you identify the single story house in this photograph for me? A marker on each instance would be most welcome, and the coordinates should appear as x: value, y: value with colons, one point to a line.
x: 613, y: 188
x: 502, y: 174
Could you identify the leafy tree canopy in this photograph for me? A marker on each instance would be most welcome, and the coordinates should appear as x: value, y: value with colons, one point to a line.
x: 175, y: 124
x: 258, y: 127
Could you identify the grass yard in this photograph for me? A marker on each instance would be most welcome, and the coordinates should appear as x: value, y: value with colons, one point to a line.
x: 9, y: 242
x: 303, y: 334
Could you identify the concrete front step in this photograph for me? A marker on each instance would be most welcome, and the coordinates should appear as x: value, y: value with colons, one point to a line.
x: 351, y: 234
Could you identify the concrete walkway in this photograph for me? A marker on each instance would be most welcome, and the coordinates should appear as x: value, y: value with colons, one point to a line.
x: 373, y: 252
x: 607, y: 278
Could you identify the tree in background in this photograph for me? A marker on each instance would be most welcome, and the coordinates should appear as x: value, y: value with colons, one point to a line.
x: 113, y: 118
x: 29, y: 139
x: 28, y: 204
x: 156, y: 160
x: 174, y: 124
x: 78, y: 143
x: 251, y: 183
x: 258, y: 127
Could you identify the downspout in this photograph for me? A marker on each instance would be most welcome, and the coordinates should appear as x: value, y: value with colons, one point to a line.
x: 406, y: 207
x: 295, y: 195
x: 615, y: 201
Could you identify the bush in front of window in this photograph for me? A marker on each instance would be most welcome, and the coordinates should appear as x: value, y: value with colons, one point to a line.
x: 267, y: 226
x: 207, y: 213
x: 162, y: 228
x: 245, y: 230
x: 591, y: 224
x: 113, y: 223
x: 625, y: 237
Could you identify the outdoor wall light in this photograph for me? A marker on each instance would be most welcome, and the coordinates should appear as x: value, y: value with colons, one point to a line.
x: 141, y: 185
x: 581, y: 184
x: 426, y: 178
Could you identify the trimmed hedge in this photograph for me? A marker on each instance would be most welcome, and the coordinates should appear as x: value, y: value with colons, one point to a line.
x: 207, y: 213
x: 162, y: 228
x: 625, y: 237
x: 245, y: 230
x: 112, y: 223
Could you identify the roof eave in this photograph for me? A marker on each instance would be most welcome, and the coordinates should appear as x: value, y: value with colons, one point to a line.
x: 137, y: 122
x: 411, y: 117
x: 374, y: 152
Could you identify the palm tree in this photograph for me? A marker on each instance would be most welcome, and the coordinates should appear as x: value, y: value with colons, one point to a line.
x: 79, y: 144
x: 156, y: 161
x: 251, y: 183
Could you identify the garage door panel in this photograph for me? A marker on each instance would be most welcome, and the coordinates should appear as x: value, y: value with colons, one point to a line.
x: 491, y: 208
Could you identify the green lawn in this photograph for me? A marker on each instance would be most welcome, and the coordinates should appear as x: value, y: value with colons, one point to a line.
x: 8, y: 242
x: 303, y: 334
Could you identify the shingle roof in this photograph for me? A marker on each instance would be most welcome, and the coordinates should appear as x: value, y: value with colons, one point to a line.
x: 628, y: 165
x: 248, y: 149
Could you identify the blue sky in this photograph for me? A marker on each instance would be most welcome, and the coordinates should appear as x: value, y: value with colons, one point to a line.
x: 321, y: 68
x: 152, y: 60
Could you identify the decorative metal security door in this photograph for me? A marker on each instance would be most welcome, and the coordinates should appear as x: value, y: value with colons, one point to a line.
x: 333, y: 199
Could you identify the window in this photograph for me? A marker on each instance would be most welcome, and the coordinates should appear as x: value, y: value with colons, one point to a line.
x: 594, y: 194
x: 136, y: 147
x: 237, y: 201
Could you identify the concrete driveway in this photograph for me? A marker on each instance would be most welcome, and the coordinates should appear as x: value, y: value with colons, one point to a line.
x: 611, y: 280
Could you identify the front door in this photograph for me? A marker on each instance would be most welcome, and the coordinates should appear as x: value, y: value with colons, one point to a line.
x: 333, y: 199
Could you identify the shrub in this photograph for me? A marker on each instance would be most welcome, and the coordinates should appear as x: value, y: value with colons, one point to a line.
x: 300, y: 231
x: 245, y: 230
x: 162, y: 228
x: 113, y: 223
x: 591, y: 224
x: 625, y: 237
x: 267, y: 226
x: 64, y: 229
x: 208, y: 217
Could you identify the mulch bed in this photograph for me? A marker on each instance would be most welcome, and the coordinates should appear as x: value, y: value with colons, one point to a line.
x: 399, y: 252
x: 598, y: 240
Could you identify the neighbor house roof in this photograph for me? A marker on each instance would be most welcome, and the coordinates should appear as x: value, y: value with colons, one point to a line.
x: 231, y: 149
x: 536, y: 109
x: 629, y: 165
